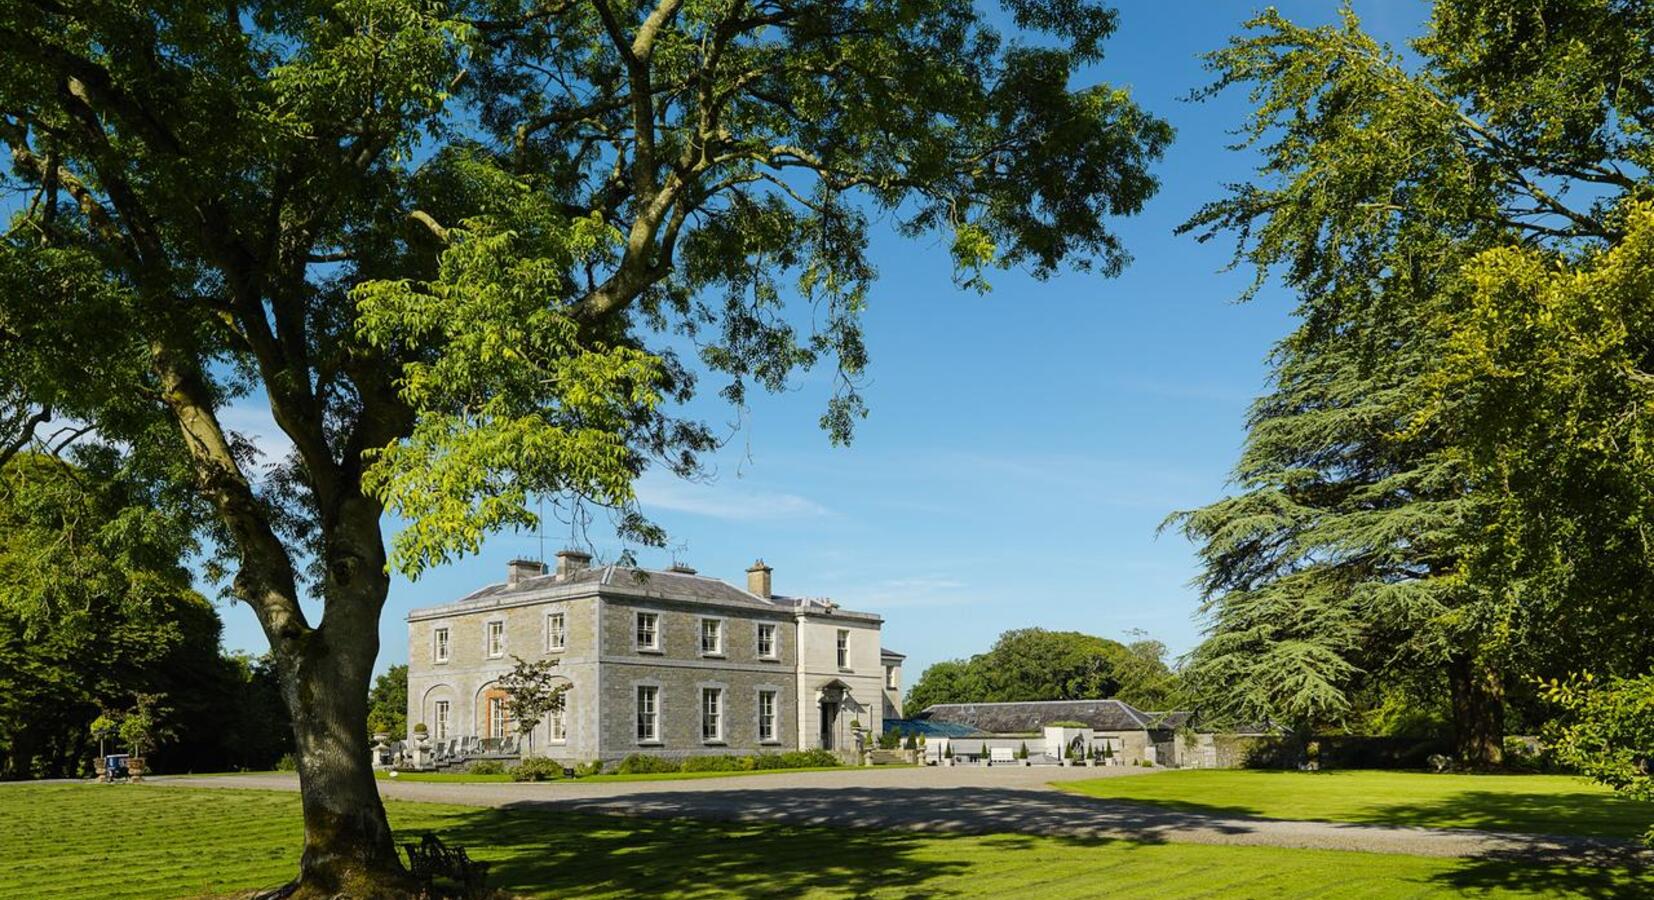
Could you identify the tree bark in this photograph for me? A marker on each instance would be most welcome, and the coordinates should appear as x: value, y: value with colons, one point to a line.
x: 347, y: 841
x: 348, y: 849
x: 1478, y: 701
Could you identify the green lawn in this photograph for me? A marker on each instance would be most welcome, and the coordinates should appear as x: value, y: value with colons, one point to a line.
x: 463, y: 778
x: 1541, y: 804
x: 130, y: 841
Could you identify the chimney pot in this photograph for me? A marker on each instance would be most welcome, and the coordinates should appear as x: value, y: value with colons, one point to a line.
x: 572, y: 561
x: 758, y: 579
x: 520, y: 569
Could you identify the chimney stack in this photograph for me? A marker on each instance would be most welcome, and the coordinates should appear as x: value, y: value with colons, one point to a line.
x: 758, y: 579
x: 572, y: 561
x: 520, y: 569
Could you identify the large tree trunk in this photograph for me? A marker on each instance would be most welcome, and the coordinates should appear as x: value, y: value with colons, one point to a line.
x: 1478, y: 698
x: 347, y: 841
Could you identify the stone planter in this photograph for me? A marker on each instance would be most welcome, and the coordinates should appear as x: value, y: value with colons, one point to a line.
x: 1091, y: 764
x: 135, y: 769
x: 100, y: 768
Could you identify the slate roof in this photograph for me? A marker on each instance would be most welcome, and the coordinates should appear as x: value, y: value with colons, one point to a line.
x: 1023, y: 718
x: 623, y: 581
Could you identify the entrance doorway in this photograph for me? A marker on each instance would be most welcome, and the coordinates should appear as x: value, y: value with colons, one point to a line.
x: 829, y: 723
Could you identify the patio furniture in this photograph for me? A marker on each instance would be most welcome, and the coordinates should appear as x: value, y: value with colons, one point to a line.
x: 430, y: 859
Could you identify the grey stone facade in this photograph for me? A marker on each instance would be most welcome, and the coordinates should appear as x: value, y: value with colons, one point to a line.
x: 676, y: 633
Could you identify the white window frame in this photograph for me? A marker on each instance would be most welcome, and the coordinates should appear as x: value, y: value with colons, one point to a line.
x: 489, y: 629
x: 441, y: 713
x: 654, y: 630
x: 646, y: 700
x: 442, y: 645
x: 713, y: 714
x: 557, y: 632
x: 717, y: 634
x: 499, y: 719
x: 768, y: 730
x: 775, y: 640
x: 890, y: 677
x: 843, y: 646
x: 557, y: 722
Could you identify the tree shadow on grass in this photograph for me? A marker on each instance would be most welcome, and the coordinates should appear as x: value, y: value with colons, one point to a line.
x: 972, y: 810
x: 559, y: 853
x: 1583, y: 813
x: 1606, y: 878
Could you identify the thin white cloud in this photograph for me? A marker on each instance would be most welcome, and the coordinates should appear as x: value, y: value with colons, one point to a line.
x: 717, y: 501
x: 907, y: 593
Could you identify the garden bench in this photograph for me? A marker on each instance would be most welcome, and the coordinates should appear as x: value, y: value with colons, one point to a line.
x: 431, y: 859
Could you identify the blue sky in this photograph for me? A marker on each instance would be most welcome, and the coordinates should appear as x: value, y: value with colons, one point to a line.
x: 1023, y: 446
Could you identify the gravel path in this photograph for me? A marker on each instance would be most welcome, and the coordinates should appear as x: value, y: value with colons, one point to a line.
x: 968, y: 799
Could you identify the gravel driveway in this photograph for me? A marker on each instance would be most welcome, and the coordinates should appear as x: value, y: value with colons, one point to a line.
x: 965, y: 799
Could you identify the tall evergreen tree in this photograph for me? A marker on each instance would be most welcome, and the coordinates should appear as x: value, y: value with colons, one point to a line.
x: 1359, y: 547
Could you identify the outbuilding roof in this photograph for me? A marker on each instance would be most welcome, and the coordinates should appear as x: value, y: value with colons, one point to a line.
x: 1030, y: 716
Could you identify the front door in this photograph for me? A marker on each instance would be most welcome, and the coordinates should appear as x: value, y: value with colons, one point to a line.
x: 829, y: 723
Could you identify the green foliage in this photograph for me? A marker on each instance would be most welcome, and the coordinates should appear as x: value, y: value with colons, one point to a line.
x: 912, y: 742
x: 94, y: 607
x: 537, y: 768
x: 287, y: 763
x: 644, y: 764
x: 532, y: 691
x: 455, y: 247
x: 145, y: 726
x: 485, y: 767
x: 1400, y: 519
x: 1036, y: 664
x: 1022, y: 751
x: 713, y: 763
x: 1606, y: 731
x: 586, y: 769
x: 388, y: 703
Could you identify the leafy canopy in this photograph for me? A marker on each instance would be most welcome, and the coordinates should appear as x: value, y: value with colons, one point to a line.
x: 1370, y: 540
x: 1036, y: 664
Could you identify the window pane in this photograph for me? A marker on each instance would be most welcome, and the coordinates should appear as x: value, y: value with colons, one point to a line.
x: 711, y: 713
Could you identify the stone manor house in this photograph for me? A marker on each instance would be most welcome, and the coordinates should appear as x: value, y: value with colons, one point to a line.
x: 659, y: 662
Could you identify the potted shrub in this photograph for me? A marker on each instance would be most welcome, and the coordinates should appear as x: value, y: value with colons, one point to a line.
x: 1071, y: 755
x: 947, y: 755
x: 142, y: 730
x: 107, y: 725
x: 1108, y: 754
x: 1091, y: 758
